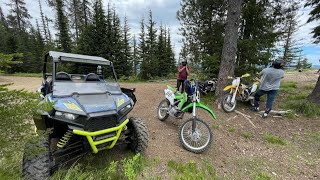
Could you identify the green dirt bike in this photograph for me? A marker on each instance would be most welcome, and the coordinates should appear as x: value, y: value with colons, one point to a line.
x: 195, y: 134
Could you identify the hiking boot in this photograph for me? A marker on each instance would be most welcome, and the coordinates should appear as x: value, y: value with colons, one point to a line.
x: 265, y: 115
x: 255, y: 109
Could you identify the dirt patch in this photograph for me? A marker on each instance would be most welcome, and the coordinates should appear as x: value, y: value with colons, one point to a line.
x: 238, y: 151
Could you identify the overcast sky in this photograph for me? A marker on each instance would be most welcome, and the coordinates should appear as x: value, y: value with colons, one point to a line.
x: 164, y: 11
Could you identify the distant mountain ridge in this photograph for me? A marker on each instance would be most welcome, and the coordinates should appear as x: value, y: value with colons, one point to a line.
x: 317, y: 66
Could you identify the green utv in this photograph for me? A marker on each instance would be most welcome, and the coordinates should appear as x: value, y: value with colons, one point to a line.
x: 89, y: 114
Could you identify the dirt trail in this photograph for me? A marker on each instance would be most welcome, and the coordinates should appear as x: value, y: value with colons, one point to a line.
x: 231, y: 153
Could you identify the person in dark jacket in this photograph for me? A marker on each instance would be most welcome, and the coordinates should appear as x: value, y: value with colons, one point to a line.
x: 183, y: 71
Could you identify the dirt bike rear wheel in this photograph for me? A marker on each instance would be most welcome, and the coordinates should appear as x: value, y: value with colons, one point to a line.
x: 163, y: 109
x: 196, y: 141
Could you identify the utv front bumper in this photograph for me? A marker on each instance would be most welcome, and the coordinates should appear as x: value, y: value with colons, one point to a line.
x: 94, y: 143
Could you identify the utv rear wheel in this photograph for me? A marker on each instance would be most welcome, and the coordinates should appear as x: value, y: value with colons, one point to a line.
x: 139, y: 136
x: 36, y: 161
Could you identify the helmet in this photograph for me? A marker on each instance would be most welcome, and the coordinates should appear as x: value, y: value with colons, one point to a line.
x: 189, y: 88
x: 278, y: 64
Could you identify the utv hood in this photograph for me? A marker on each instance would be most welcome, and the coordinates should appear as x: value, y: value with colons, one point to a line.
x: 90, y: 103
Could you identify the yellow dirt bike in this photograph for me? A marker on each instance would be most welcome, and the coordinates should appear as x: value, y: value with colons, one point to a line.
x: 238, y: 91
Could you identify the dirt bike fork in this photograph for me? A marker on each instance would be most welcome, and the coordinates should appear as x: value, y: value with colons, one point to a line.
x: 194, y: 117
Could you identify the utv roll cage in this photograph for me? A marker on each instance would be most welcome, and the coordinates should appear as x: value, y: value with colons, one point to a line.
x: 58, y: 57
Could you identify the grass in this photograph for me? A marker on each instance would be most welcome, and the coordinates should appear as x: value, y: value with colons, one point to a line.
x: 191, y: 170
x: 288, y: 87
x: 272, y: 139
x: 214, y: 126
x: 262, y: 176
x: 92, y: 168
x: 295, y: 99
x: 232, y: 130
x: 247, y: 135
x: 303, y: 106
x: 309, y: 87
x: 23, y: 74
x: 251, y: 168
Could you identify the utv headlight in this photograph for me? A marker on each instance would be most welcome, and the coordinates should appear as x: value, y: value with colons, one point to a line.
x: 68, y: 116
x: 124, y: 109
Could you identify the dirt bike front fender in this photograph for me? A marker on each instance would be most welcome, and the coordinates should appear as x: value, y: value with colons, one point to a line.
x: 229, y: 87
x: 202, y: 106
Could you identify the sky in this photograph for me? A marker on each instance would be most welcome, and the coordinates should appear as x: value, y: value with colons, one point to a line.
x: 164, y: 12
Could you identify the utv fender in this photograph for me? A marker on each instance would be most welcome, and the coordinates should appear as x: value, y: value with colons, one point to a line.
x: 229, y: 87
x: 200, y: 105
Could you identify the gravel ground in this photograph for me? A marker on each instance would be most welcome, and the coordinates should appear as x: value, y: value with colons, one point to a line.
x: 231, y: 152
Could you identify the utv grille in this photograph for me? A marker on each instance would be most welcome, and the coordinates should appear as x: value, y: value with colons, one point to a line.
x: 100, y: 123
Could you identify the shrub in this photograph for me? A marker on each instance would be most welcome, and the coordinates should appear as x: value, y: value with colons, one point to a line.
x: 16, y: 110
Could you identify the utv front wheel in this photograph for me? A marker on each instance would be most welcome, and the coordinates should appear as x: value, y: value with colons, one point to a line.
x: 139, y: 137
x: 36, y: 161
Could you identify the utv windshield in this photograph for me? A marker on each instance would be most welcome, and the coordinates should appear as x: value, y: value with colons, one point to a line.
x: 81, y: 78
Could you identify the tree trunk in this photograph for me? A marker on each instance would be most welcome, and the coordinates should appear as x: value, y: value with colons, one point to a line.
x: 229, y: 51
x: 315, y: 95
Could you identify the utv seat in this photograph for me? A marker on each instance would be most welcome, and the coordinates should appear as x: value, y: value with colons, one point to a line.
x: 63, y: 76
x: 92, y: 77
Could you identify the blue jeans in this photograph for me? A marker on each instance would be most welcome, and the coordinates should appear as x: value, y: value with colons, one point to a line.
x: 270, y: 98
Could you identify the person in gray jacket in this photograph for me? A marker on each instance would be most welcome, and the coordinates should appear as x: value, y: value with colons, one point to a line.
x: 270, y: 84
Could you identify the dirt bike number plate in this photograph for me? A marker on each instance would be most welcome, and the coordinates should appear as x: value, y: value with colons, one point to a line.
x: 169, y: 95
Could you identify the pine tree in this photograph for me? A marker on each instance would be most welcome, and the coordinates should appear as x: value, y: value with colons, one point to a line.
x: 118, y: 56
x: 260, y: 26
x: 126, y: 49
x: 86, y: 13
x: 38, y: 50
x: 63, y: 37
x: 291, y: 52
x: 47, y: 20
x: 314, y: 16
x: 161, y: 54
x: 151, y: 59
x: 135, y: 55
x: 19, y: 14
x: 109, y: 34
x: 100, y: 24
x: 43, y: 22
x: 202, y: 24
x: 74, y: 17
x: 142, y: 49
x: 170, y: 63
x: 3, y: 32
x: 3, y: 20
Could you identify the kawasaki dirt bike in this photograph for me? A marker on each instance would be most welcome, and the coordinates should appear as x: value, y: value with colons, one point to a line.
x: 238, y: 91
x: 195, y: 135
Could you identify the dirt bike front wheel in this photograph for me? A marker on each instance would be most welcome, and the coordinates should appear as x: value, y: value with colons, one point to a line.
x: 197, y: 139
x: 227, y: 105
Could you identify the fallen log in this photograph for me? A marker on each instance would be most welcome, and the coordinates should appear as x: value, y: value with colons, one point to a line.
x: 280, y: 112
